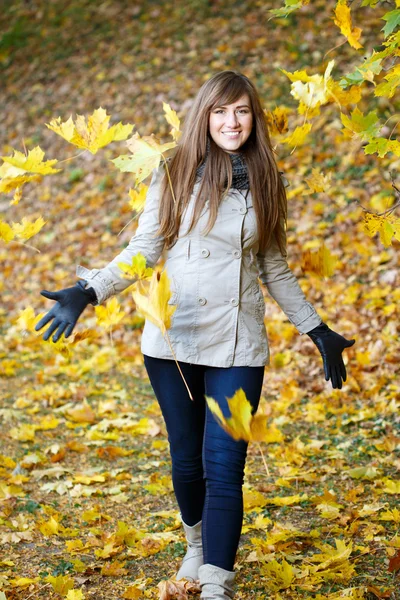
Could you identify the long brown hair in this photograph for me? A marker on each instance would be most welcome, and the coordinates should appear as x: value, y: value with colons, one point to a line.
x: 266, y: 186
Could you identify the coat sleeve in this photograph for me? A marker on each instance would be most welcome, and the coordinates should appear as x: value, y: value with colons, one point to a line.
x: 282, y: 285
x: 109, y: 280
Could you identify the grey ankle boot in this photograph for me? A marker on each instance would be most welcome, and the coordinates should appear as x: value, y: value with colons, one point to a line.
x: 216, y: 583
x: 193, y: 558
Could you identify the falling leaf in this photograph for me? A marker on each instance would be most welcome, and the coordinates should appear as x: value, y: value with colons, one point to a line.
x: 109, y: 315
x: 173, y: 120
x: 146, y: 156
x: 321, y: 262
x: 94, y: 134
x: 138, y: 197
x: 343, y: 21
x: 154, y: 304
x: 27, y: 229
x: 137, y: 269
x: 6, y: 232
x: 241, y: 425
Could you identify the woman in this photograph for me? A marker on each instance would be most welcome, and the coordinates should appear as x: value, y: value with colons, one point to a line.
x: 223, y: 229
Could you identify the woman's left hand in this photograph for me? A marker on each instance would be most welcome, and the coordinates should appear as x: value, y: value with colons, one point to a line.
x: 331, y: 346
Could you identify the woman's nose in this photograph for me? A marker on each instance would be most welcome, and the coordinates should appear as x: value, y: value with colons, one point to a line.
x: 231, y: 119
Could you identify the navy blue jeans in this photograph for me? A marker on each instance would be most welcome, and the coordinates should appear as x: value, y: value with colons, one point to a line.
x: 207, y: 463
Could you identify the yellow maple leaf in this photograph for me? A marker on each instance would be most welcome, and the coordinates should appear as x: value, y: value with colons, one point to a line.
x: 321, y: 262
x: 154, y: 304
x: 8, y: 184
x: 27, y: 319
x: 298, y: 136
x: 138, y: 197
x: 50, y: 527
x: 241, y: 425
x: 114, y: 569
x: 27, y: 229
x: 343, y: 21
x: 173, y: 120
x: 146, y: 156
x: 20, y: 163
x: 311, y: 91
x: 17, y: 196
x: 277, y: 120
x: 6, y: 232
x: 24, y: 433
x: 61, y: 584
x: 82, y: 413
x: 110, y: 314
x: 331, y: 556
x: 75, y: 595
x: 280, y: 576
x: 132, y: 593
x: 390, y: 515
x: 387, y: 226
x: 318, y: 182
x: 391, y: 486
x: 24, y: 581
x: 137, y: 269
x: 94, y: 134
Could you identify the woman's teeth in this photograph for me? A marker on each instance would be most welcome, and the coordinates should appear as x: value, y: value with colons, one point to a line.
x: 232, y: 135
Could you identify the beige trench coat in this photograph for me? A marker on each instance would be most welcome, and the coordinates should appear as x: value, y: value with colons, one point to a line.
x: 219, y: 319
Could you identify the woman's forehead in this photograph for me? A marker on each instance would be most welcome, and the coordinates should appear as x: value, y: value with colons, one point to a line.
x: 224, y: 102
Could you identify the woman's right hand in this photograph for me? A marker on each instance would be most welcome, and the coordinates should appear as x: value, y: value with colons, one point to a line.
x: 71, y: 302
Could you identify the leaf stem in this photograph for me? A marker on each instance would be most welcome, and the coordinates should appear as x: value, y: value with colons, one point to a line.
x: 263, y: 458
x: 169, y: 178
x: 125, y: 226
x: 71, y: 157
x: 177, y: 364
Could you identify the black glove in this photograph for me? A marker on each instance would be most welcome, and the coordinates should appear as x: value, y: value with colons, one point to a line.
x: 71, y: 302
x: 331, y: 346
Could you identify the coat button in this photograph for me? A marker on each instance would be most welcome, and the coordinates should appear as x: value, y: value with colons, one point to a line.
x: 202, y: 301
x: 205, y: 252
x: 234, y: 301
x: 243, y: 210
x: 237, y: 253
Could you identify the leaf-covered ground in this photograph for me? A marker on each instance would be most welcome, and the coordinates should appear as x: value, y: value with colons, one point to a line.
x: 85, y: 484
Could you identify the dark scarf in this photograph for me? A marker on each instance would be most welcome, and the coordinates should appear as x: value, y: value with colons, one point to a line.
x: 240, y: 176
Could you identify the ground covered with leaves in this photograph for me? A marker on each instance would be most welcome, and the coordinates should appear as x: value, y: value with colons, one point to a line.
x: 87, y: 506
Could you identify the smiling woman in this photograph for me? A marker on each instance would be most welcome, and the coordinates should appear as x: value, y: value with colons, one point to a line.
x: 224, y: 230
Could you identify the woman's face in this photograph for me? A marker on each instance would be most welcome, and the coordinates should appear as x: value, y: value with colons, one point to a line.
x: 231, y: 125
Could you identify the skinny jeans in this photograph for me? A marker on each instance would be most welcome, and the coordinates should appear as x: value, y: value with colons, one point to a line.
x: 207, y: 463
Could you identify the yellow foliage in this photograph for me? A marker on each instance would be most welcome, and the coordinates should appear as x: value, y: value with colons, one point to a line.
x: 154, y: 304
x: 343, y: 21
x: 61, y: 584
x: 173, y: 120
x: 321, y: 262
x: 280, y: 576
x: 75, y: 595
x: 110, y: 314
x: 138, y: 198
x: 27, y: 229
x: 137, y: 269
x: 6, y: 232
x: 388, y: 227
x: 241, y: 425
x: 146, y: 156
x: 17, y: 165
x: 94, y: 134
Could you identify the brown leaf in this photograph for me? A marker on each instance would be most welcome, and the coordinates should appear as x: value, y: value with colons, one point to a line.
x: 178, y: 590
x: 394, y: 563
